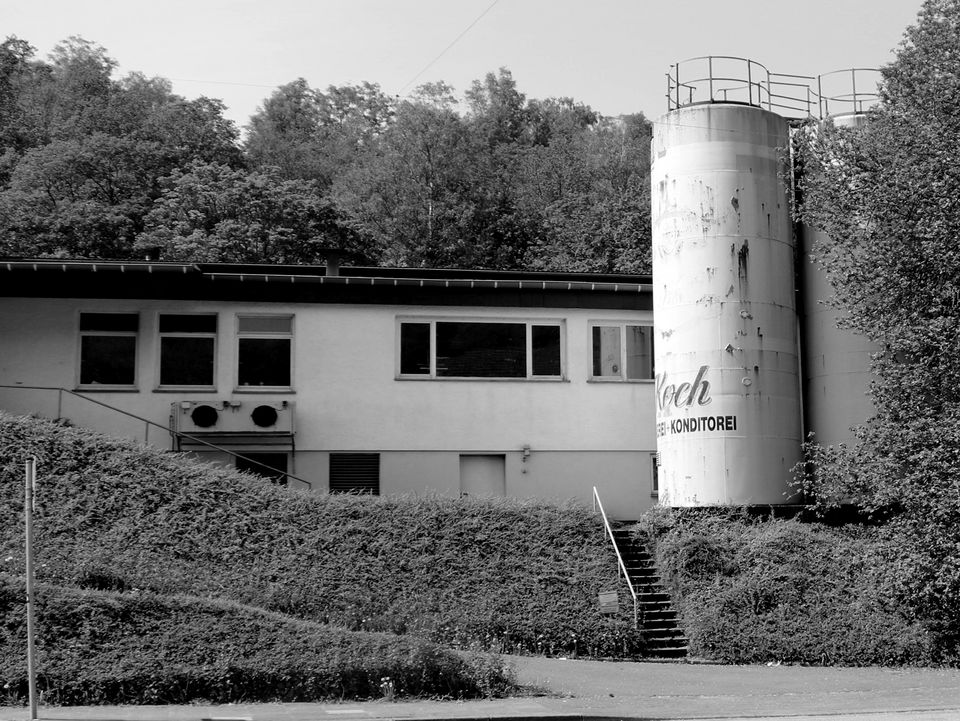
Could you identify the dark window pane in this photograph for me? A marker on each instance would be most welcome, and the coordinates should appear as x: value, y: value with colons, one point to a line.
x: 108, y: 360
x: 415, y: 348
x: 265, y: 324
x: 188, y: 323
x: 545, y: 340
x: 639, y: 352
x: 115, y: 322
x: 606, y: 351
x: 482, y: 350
x: 186, y: 361
x: 268, y: 465
x: 264, y: 362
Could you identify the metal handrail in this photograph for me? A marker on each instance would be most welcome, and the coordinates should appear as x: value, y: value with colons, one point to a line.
x: 793, y: 96
x: 622, y: 566
x: 148, y: 422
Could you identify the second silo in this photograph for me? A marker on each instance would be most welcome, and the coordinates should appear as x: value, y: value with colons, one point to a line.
x: 726, y: 347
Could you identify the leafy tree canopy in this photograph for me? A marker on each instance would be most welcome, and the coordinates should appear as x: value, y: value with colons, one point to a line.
x: 888, y: 195
x: 98, y: 167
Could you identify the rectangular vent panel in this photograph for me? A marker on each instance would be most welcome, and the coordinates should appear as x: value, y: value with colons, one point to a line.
x: 355, y: 473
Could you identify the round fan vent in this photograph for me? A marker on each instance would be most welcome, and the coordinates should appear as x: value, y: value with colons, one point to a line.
x: 264, y: 416
x: 204, y: 416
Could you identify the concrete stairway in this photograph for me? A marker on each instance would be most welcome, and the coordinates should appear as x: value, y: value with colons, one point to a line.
x: 658, y: 619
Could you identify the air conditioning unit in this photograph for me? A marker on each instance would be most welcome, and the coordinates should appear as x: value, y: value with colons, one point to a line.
x: 251, y: 418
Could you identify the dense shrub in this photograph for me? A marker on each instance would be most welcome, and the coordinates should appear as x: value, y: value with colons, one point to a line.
x: 752, y: 590
x: 498, y: 574
x: 100, y: 647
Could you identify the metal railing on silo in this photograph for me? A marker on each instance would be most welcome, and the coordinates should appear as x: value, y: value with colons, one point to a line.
x: 730, y: 79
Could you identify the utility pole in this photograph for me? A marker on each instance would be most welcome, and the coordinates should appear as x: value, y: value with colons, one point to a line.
x: 31, y: 480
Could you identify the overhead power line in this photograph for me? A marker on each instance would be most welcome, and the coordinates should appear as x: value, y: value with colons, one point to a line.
x: 444, y: 51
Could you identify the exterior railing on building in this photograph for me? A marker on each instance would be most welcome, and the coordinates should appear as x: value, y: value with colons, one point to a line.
x: 729, y: 79
x: 621, y: 566
x: 147, y: 425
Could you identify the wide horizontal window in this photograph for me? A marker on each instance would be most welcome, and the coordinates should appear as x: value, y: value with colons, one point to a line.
x: 622, y: 352
x: 187, y: 349
x: 108, y: 349
x: 480, y: 349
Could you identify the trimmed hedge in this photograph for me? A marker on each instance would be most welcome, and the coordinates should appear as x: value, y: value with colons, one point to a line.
x: 98, y: 647
x: 501, y: 574
x: 755, y: 591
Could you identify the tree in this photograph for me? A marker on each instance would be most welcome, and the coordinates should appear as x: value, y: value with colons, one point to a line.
x: 409, y: 193
x: 215, y: 213
x: 82, y: 198
x: 83, y: 154
x: 590, y: 186
x: 888, y: 195
x: 315, y: 135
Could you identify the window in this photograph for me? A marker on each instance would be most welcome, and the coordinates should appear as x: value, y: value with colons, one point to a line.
x: 187, y: 350
x: 480, y: 349
x: 108, y: 349
x: 622, y: 352
x: 269, y: 465
x: 655, y: 474
x: 355, y: 473
x: 264, y: 351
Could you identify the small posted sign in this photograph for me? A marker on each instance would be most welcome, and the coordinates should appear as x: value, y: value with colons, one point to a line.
x: 609, y: 602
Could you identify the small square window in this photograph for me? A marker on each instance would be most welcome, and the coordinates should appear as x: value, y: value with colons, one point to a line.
x: 622, y: 352
x: 108, y: 349
x: 264, y: 351
x: 187, y: 350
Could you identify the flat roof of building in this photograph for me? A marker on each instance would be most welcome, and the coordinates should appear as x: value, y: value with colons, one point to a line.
x: 57, y: 278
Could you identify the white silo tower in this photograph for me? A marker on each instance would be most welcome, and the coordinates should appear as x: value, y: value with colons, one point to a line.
x: 726, y: 326
x: 730, y: 401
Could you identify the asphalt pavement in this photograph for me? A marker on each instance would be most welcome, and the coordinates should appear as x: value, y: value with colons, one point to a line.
x: 572, y: 690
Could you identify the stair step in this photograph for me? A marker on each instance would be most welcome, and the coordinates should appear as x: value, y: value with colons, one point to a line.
x: 660, y: 614
x: 660, y: 623
x: 665, y: 624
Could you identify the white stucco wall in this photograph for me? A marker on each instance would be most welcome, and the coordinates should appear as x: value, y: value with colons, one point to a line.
x: 348, y: 398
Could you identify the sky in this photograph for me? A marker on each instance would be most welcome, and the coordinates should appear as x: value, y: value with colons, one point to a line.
x: 609, y: 54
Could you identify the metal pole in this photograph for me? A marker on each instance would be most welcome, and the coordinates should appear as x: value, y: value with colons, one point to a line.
x: 31, y: 479
x: 853, y: 85
x: 710, y: 73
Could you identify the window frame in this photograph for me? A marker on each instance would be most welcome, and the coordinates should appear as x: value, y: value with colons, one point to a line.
x: 655, y: 475
x: 622, y: 325
x: 267, y: 335
x: 81, y: 334
x: 160, y: 386
x: 528, y: 324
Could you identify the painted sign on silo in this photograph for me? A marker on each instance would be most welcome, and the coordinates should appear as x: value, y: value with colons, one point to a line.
x: 727, y: 372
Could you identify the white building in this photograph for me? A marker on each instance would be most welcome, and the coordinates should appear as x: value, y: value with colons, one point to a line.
x: 371, y: 379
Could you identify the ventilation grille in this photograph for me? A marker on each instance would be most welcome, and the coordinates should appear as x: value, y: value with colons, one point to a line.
x: 355, y: 473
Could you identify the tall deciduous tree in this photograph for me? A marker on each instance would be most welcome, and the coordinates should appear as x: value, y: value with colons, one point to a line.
x: 215, y: 213
x: 410, y: 192
x: 888, y: 195
x: 82, y: 154
x: 316, y: 135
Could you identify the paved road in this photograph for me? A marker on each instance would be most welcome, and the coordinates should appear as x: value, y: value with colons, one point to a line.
x: 594, y: 690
